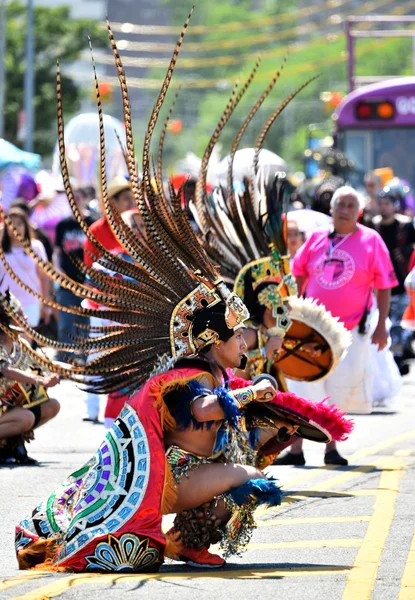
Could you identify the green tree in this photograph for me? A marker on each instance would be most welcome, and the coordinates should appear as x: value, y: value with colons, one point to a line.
x: 57, y: 36
x: 317, y: 47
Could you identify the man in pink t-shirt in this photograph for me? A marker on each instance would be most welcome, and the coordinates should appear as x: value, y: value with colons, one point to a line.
x: 341, y: 268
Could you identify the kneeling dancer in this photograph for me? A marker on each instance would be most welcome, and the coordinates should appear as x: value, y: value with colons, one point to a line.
x: 187, y: 439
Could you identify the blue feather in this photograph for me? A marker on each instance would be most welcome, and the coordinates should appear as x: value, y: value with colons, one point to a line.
x: 182, y: 409
x: 228, y: 405
x: 266, y: 491
x: 222, y: 438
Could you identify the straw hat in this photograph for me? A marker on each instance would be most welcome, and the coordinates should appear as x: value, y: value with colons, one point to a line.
x: 117, y: 185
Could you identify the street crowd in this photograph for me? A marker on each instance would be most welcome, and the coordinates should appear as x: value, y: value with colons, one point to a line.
x: 360, y: 266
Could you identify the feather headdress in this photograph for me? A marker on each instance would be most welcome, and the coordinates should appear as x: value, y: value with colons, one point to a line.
x: 244, y: 230
x: 154, y: 296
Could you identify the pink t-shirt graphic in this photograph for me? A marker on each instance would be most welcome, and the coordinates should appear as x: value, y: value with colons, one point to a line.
x: 342, y: 272
x: 336, y: 271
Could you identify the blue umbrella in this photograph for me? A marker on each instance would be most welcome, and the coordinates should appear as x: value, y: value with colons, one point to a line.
x: 12, y: 156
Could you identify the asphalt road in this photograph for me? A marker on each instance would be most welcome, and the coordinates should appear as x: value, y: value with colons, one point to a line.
x: 342, y: 533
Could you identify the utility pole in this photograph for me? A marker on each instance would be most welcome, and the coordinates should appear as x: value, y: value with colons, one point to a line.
x: 29, y: 79
x: 2, y: 63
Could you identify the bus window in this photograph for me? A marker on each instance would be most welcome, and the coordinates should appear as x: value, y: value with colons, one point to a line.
x: 376, y: 148
x: 375, y: 126
x: 357, y: 145
x: 395, y: 148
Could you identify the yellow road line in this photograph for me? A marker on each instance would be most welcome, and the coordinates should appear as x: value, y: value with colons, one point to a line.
x: 337, y: 480
x: 363, y: 574
x: 346, y: 476
x: 311, y: 520
x: 370, y: 492
x: 407, y: 591
x: 62, y: 585
x: 343, y: 477
x: 305, y: 476
x: 356, y: 493
x: 320, y: 489
x: 343, y: 543
x: 5, y: 584
x: 376, y: 448
x: 363, y: 453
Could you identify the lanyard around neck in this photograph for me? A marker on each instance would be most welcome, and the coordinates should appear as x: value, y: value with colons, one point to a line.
x: 332, y: 247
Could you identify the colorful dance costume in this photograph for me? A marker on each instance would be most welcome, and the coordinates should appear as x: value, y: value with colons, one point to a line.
x: 168, y: 309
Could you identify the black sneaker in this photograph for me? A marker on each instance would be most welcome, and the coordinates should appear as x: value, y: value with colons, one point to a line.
x: 402, y: 365
x: 404, y: 369
x: 290, y: 458
x: 5, y: 457
x: 334, y: 458
x: 21, y: 456
x: 14, y: 453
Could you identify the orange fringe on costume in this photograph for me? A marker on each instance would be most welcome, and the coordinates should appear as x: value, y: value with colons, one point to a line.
x: 160, y: 388
x: 173, y: 545
x: 170, y: 491
x: 158, y: 391
x: 49, y: 548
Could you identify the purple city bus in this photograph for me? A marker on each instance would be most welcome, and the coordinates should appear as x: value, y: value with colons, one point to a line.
x: 375, y: 127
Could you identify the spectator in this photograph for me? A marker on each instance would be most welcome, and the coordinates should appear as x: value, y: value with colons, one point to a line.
x: 340, y: 269
x: 324, y: 193
x: 37, y: 233
x: 295, y: 238
x: 20, y: 381
x: 133, y: 219
x: 25, y: 269
x: 50, y: 207
x: 91, y: 200
x: 119, y: 191
x: 399, y: 238
x: 69, y: 243
x: 401, y: 190
x: 116, y: 400
x: 372, y: 183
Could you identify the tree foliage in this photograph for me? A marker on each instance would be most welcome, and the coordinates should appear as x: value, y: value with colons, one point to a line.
x: 321, y: 50
x: 57, y: 36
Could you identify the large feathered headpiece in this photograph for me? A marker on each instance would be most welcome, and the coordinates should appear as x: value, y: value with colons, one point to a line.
x: 166, y: 300
x: 243, y: 229
x: 246, y: 235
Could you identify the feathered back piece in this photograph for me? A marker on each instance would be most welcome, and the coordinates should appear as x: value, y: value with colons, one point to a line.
x: 153, y: 291
x: 244, y: 230
x: 246, y: 236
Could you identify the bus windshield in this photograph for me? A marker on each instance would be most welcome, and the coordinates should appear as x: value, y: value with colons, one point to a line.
x: 375, y: 148
x: 375, y: 127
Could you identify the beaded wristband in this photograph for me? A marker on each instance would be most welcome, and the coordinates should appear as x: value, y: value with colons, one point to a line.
x: 244, y: 397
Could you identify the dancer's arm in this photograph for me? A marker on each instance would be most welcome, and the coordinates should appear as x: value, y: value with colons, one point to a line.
x: 31, y: 379
x: 208, y: 408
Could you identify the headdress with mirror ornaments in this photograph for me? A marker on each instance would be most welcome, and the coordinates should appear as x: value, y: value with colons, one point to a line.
x: 151, y: 300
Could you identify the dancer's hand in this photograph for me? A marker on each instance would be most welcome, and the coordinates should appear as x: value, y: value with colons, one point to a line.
x: 273, y: 346
x: 313, y: 350
x: 264, y: 390
x: 48, y: 380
